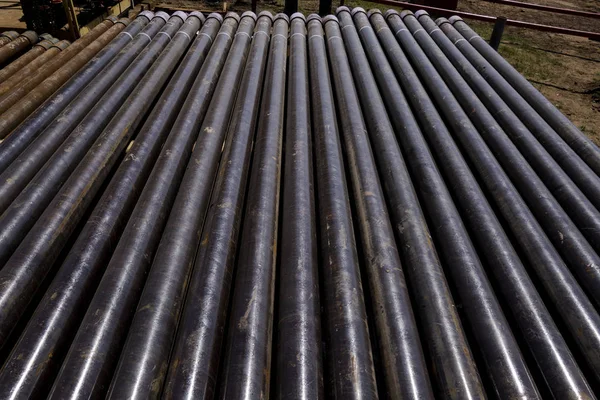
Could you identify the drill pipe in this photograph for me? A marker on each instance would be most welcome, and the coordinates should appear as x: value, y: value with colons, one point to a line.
x: 247, y: 365
x: 27, y: 71
x: 7, y: 37
x: 32, y: 100
x: 567, y: 237
x: 49, y: 178
x: 16, y: 46
x: 77, y: 376
x: 580, y: 143
x: 349, y: 357
x: 505, y: 363
x: 403, y: 362
x: 299, y: 359
x: 65, y: 301
x: 585, y: 178
x: 580, y: 312
x: 25, y: 59
x: 28, y: 130
x: 14, y: 94
x: 35, y: 155
x: 550, y: 350
x: 65, y: 209
x: 195, y: 363
x: 152, y: 330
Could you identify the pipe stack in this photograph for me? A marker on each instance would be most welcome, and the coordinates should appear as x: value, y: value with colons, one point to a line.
x: 366, y: 205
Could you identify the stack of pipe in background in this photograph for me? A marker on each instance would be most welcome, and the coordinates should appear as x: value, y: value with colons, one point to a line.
x: 358, y: 206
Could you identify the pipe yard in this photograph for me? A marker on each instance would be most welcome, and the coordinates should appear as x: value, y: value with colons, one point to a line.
x: 365, y: 205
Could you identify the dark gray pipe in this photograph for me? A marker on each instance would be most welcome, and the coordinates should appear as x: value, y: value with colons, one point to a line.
x: 579, y: 310
x: 582, y: 145
x: 299, y: 355
x: 246, y: 372
x: 550, y: 349
x: 350, y: 368
x: 511, y: 377
x: 195, y: 363
x: 568, y: 238
x: 403, y: 362
x: 29, y: 264
x: 53, y: 324
x: 585, y: 178
x: 28, y: 130
x: 20, y: 214
x: 153, y: 328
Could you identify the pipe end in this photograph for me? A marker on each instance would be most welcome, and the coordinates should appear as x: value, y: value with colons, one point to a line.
x: 180, y: 14
x: 282, y: 16
x: 123, y: 21
x: 420, y: 13
x: 216, y: 16
x: 330, y: 18
x: 357, y: 10
x: 161, y: 14
x: 111, y: 18
x: 314, y: 17
x: 454, y: 18
x: 406, y: 13
x: 441, y: 21
x: 12, y: 35
x: 265, y: 14
x: 232, y: 15
x: 390, y: 13
x: 146, y: 14
x: 31, y: 36
x: 45, y: 44
x: 198, y: 15
x: 342, y: 9
x: 249, y: 14
x: 63, y: 44
x: 45, y: 36
x: 298, y: 15
x: 374, y: 11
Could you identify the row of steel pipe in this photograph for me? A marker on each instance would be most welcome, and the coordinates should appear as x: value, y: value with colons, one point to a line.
x: 358, y: 206
x: 16, y: 46
x: 37, y: 50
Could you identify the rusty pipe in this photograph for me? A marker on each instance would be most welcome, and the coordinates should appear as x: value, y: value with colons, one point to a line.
x: 13, y: 48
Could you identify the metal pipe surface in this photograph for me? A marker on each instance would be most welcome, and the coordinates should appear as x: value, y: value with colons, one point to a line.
x: 582, y: 145
x: 16, y: 46
x: 351, y: 371
x: 15, y: 94
x: 22, y: 273
x: 246, y: 372
x: 194, y: 364
x: 18, y: 140
x: 299, y: 359
x: 7, y: 37
x: 550, y: 349
x: 403, y: 362
x: 18, y: 64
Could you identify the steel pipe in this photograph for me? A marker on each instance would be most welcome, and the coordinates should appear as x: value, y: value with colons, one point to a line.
x: 17, y: 45
x: 512, y: 206
x: 195, y: 363
x: 550, y: 350
x: 32, y: 100
x: 7, y: 37
x: 24, y: 73
x: 403, y: 362
x: 14, y: 94
x: 299, y: 360
x: 351, y: 371
x: 585, y: 178
x: 58, y: 315
x: 77, y: 378
x: 567, y: 237
x: 58, y: 207
x: 247, y: 362
x: 580, y: 143
x: 28, y: 130
x: 18, y: 64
